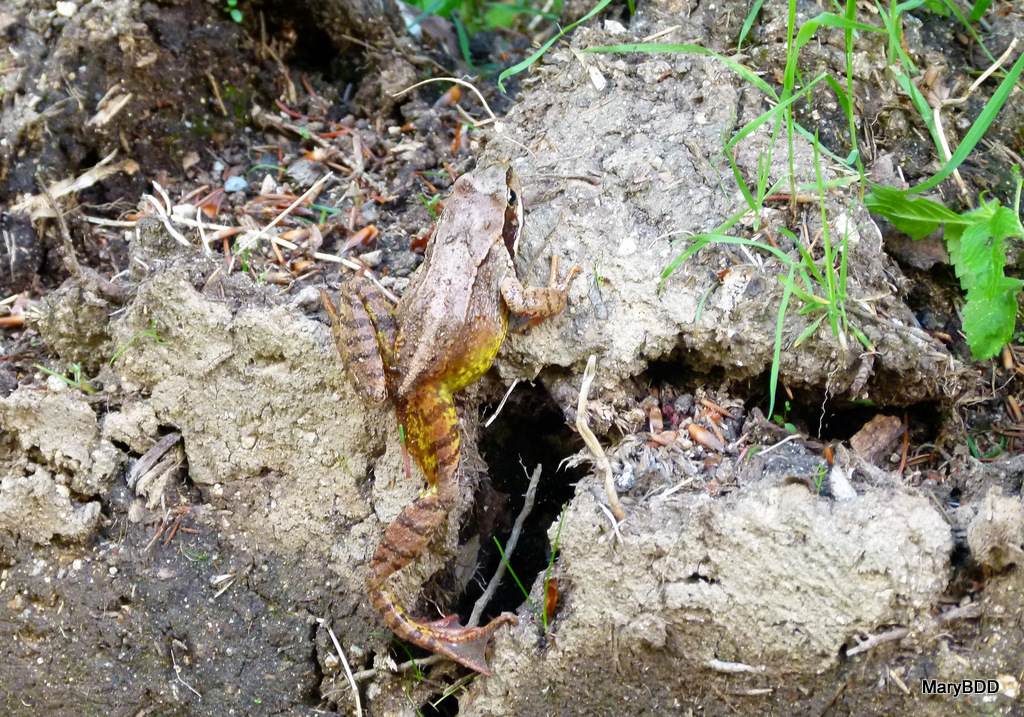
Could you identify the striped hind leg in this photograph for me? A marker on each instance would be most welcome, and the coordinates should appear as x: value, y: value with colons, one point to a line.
x: 364, y: 330
x: 432, y: 437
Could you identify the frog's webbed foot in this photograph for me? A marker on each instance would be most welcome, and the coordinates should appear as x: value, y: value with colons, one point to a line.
x: 465, y: 645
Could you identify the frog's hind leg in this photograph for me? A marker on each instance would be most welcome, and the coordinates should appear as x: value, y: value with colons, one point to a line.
x: 364, y: 331
x: 465, y: 645
x: 365, y: 294
x: 432, y: 437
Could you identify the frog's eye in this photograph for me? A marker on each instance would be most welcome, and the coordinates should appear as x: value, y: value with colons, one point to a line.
x: 513, y: 224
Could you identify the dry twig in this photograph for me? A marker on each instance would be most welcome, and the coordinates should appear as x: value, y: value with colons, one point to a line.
x: 510, y: 546
x: 937, y: 112
x: 250, y: 241
x: 600, y: 459
x: 348, y: 670
x: 501, y: 405
x: 491, y: 116
x: 734, y: 668
x: 106, y: 289
x: 873, y: 641
x: 177, y: 672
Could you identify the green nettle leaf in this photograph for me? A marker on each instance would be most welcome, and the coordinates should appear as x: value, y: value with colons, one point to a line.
x: 976, y: 241
x: 917, y: 217
x: 978, y: 253
x: 1005, y: 223
x: 989, y: 321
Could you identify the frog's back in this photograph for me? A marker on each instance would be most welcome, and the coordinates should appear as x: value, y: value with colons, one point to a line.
x: 451, y: 317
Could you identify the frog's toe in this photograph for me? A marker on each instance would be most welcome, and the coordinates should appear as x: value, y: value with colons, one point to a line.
x: 447, y: 621
x: 465, y: 645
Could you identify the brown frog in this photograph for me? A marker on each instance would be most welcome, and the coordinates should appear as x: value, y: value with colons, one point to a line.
x: 442, y: 336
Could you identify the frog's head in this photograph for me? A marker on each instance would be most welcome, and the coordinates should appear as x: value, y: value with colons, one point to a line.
x: 490, y: 201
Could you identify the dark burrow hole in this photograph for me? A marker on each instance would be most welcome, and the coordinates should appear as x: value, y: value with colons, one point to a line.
x: 314, y: 54
x: 439, y: 706
x: 530, y: 430
x: 840, y: 419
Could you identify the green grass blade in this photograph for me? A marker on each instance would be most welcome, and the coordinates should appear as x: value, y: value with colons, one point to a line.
x: 723, y: 227
x: 967, y: 23
x: 702, y: 240
x: 749, y: 22
x: 745, y: 72
x: 516, y: 578
x: 787, y: 90
x: 460, y: 30
x: 703, y: 300
x: 979, y: 9
x: 978, y: 128
x: 921, y: 105
x: 752, y: 126
x: 807, y: 31
x: 437, y: 7
x: 777, y: 352
x: 744, y: 189
x: 812, y: 300
x: 865, y: 341
x: 520, y: 66
x: 895, y: 31
x: 806, y: 333
x: 551, y: 563
x: 808, y: 259
x: 841, y: 161
x: 831, y: 287
x: 905, y: 7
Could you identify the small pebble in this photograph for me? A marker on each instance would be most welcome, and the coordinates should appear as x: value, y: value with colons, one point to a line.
x: 372, y: 258
x: 235, y: 184
x: 625, y: 480
x: 66, y: 9
x: 683, y: 405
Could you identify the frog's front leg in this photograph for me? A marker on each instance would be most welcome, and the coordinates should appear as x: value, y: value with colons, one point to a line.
x: 364, y: 331
x: 538, y: 302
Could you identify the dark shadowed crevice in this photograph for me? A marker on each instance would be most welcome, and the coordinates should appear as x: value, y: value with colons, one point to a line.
x: 826, y: 418
x: 310, y: 48
x: 440, y: 706
x: 312, y: 697
x: 530, y: 430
